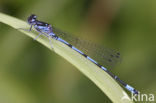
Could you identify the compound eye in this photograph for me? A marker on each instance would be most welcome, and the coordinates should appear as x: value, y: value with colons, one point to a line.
x: 34, y: 16
x: 32, y: 19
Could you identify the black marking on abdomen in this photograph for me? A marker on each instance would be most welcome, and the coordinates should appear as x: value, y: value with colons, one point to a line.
x: 69, y: 45
x: 84, y: 55
x: 99, y: 65
x: 123, y: 83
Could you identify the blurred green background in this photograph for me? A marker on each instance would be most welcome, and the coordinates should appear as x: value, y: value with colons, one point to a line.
x: 30, y: 73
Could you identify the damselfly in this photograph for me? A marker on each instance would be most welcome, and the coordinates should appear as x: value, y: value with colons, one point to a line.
x: 106, y: 56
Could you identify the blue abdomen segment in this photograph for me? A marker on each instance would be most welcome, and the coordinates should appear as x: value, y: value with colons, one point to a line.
x: 128, y: 87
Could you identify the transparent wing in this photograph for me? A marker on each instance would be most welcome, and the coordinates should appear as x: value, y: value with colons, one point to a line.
x: 104, y: 56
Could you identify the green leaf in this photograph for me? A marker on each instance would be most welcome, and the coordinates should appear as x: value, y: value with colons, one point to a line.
x: 105, y: 82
